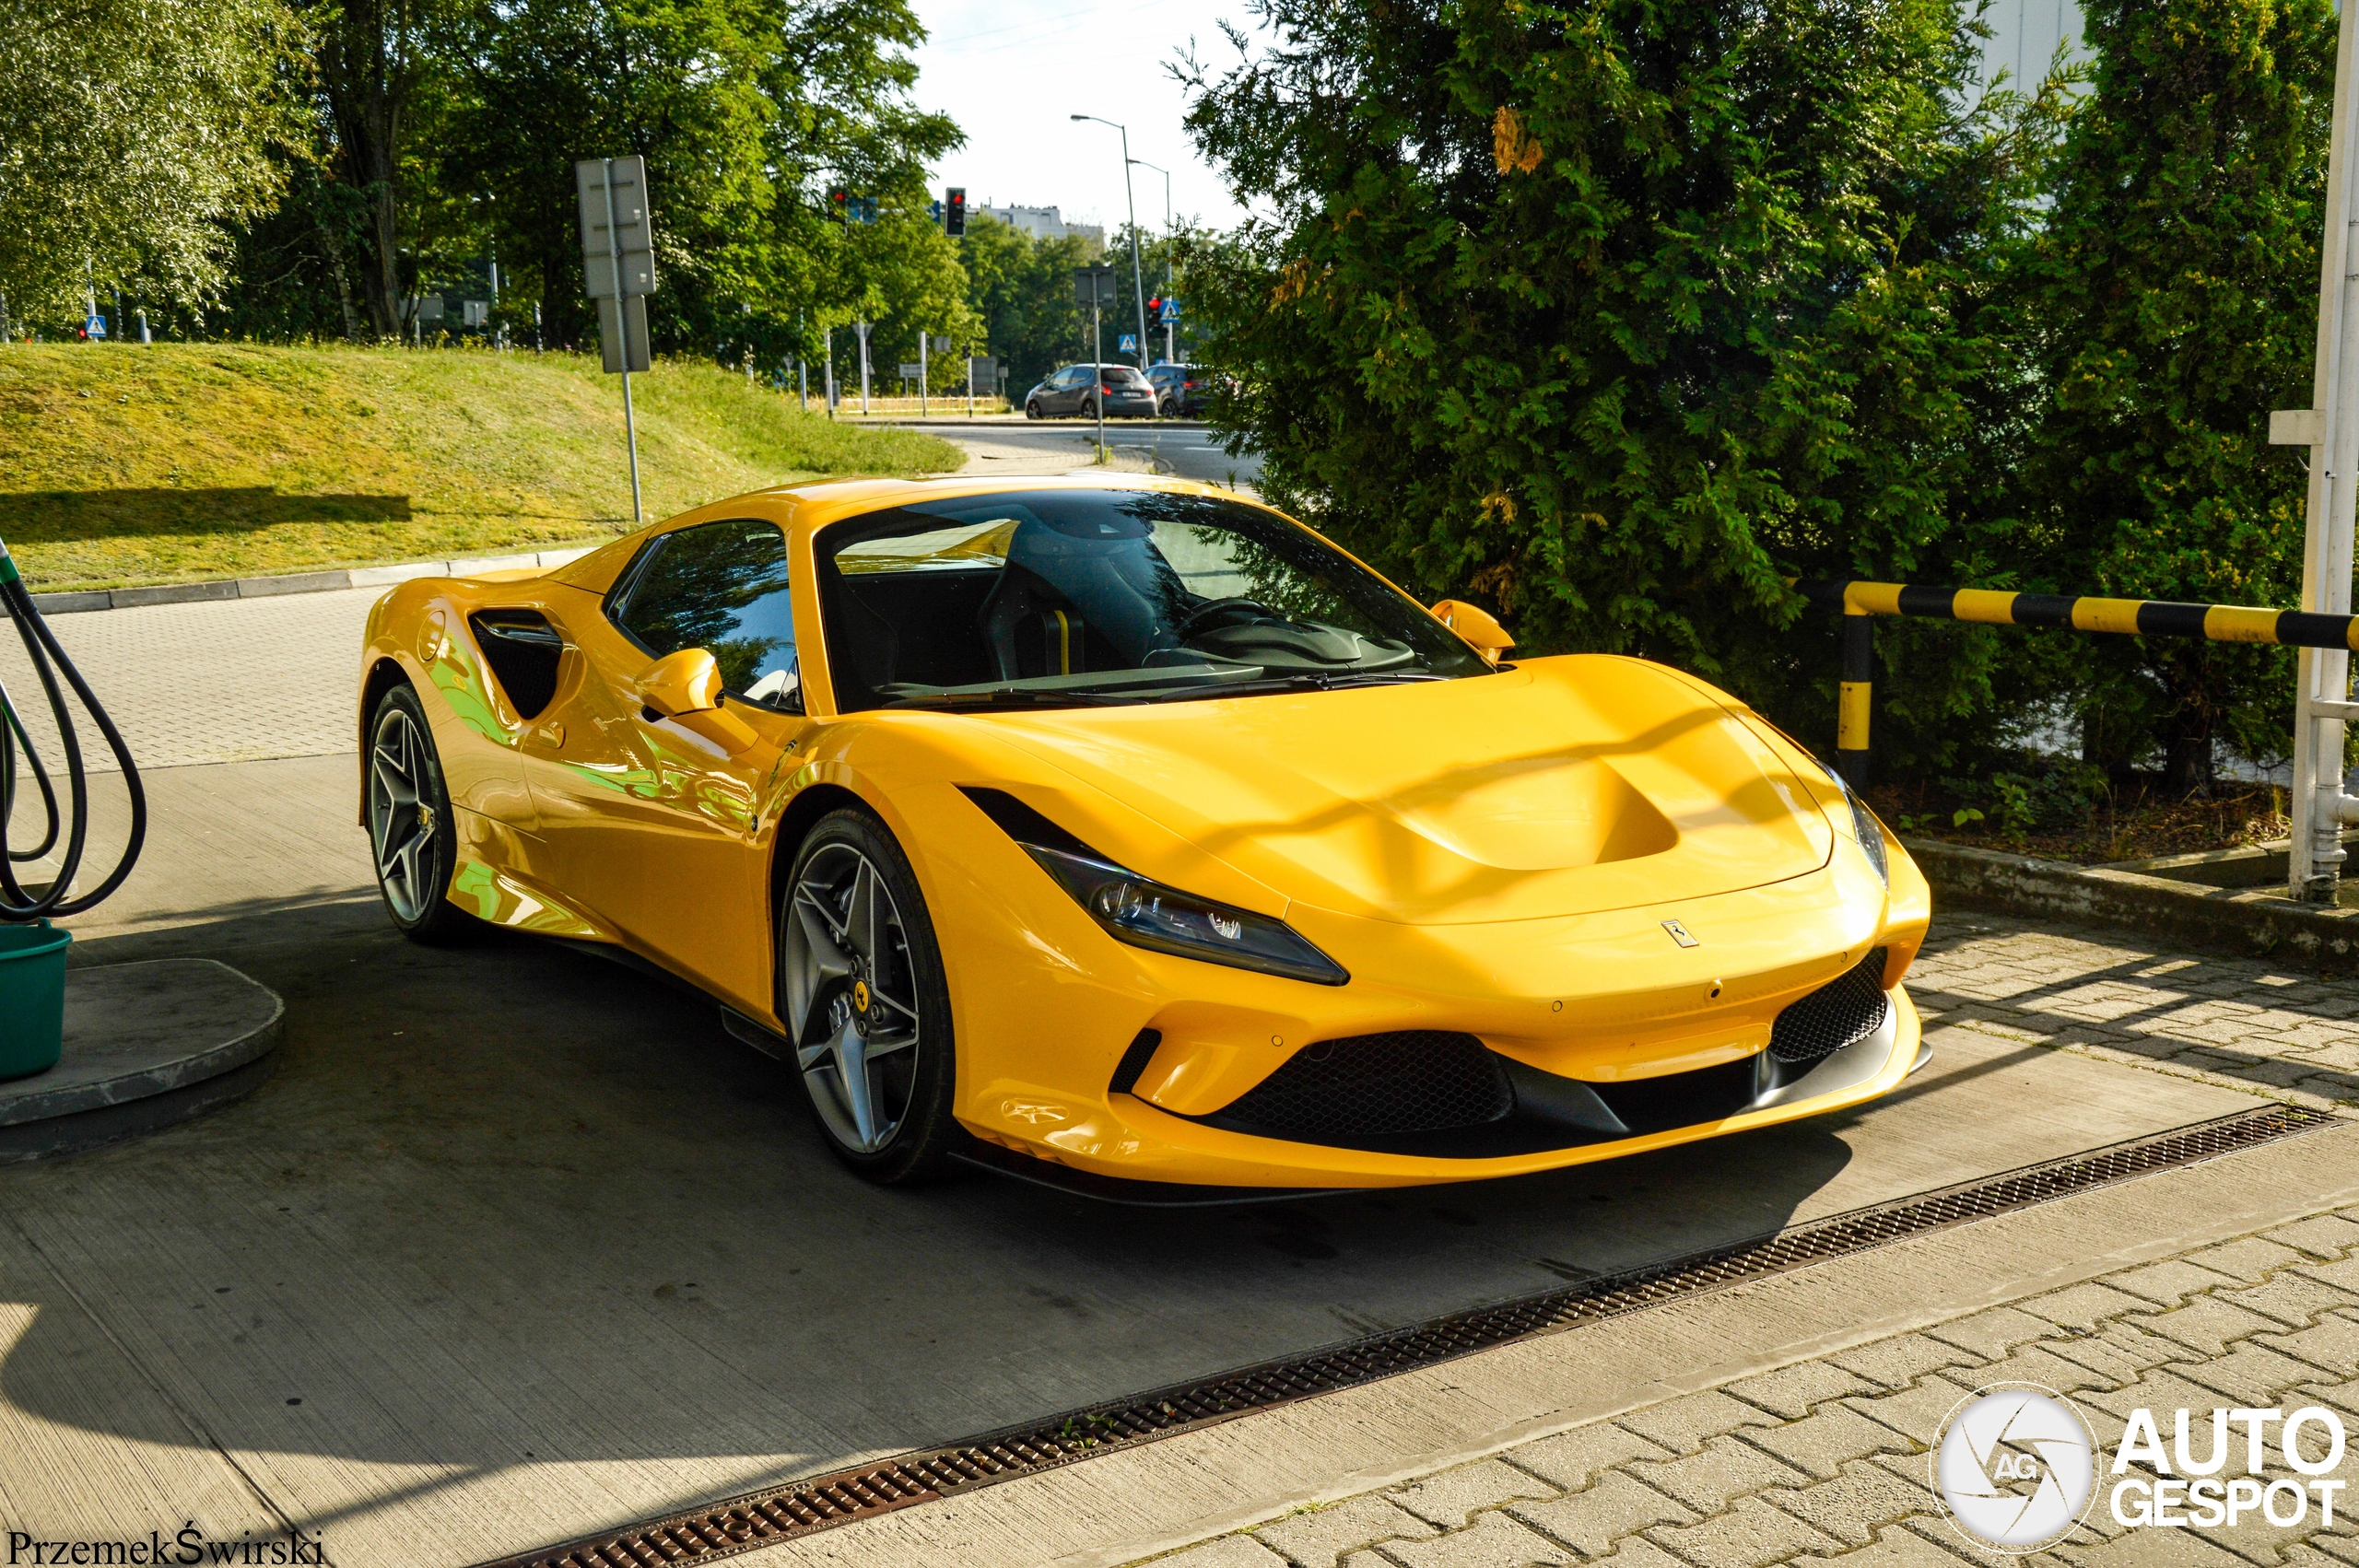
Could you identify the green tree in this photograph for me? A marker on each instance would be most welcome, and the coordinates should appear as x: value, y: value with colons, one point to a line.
x: 744, y: 109
x: 1022, y: 289
x: 132, y: 138
x: 1613, y: 314
x: 909, y: 279
x: 2175, y: 292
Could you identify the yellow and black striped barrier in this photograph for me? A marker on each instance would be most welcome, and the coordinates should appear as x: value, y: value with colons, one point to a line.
x: 2126, y: 617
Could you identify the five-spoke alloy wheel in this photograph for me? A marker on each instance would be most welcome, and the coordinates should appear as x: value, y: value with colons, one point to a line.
x: 411, y: 835
x: 861, y: 990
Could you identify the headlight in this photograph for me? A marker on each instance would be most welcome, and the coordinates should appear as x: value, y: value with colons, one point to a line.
x: 1871, y: 832
x: 1164, y: 920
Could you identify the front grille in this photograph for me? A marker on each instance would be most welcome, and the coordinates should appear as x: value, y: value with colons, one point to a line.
x: 1839, y: 1013
x: 1370, y: 1085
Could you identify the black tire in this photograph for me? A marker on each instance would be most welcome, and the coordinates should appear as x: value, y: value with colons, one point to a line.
x: 1032, y: 409
x: 912, y: 1085
x: 1167, y: 409
x: 1089, y: 409
x: 413, y: 839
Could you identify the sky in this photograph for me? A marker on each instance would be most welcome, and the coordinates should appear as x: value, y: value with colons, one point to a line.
x: 1012, y: 74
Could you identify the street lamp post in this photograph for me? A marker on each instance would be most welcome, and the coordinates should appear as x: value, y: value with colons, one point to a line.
x: 1168, y: 355
x: 1138, y: 287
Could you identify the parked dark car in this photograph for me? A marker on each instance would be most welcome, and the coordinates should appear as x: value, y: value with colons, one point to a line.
x: 1076, y: 388
x: 1180, y: 391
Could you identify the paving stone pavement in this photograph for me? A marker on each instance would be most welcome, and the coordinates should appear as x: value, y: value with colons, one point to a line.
x: 1828, y: 1459
x: 228, y: 680
x: 2241, y: 1022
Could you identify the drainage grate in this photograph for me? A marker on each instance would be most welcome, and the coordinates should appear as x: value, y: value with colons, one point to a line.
x: 707, y: 1534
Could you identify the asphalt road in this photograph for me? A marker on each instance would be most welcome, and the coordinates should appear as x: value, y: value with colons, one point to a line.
x: 1059, y: 446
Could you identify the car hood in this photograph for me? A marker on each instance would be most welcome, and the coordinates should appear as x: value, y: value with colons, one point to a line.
x: 1559, y: 786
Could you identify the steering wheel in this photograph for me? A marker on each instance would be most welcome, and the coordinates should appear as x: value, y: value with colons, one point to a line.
x: 1212, y: 607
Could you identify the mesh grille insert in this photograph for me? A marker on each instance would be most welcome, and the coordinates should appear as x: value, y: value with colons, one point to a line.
x: 1412, y: 1081
x: 1839, y: 1013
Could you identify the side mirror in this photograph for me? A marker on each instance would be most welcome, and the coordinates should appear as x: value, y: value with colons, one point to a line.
x: 686, y: 682
x: 1484, y: 634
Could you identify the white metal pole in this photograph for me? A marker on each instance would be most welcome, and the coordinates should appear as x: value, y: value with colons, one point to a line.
x: 925, y: 369
x: 864, y: 369
x: 970, y: 381
x: 622, y: 335
x: 1138, y: 279
x: 2322, y: 691
x: 1097, y: 365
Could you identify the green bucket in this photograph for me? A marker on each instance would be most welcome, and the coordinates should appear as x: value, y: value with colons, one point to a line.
x: 33, y: 998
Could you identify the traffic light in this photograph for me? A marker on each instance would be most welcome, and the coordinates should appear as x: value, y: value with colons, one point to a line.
x: 1155, y: 308
x: 954, y: 214
x: 840, y: 202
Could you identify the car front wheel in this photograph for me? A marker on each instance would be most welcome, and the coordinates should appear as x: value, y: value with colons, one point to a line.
x: 861, y: 991
x: 1032, y: 409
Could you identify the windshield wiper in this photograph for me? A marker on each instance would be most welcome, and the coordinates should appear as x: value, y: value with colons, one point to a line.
x: 1301, y: 681
x: 1011, y: 697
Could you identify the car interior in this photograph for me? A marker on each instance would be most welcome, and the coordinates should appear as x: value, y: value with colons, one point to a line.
x: 1101, y: 591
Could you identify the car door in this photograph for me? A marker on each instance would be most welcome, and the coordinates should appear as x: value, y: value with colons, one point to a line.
x: 1066, y: 399
x: 652, y: 821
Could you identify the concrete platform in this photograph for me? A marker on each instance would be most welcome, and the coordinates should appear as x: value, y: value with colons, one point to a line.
x: 147, y: 1045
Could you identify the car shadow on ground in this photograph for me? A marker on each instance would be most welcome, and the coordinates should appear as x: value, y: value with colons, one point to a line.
x: 505, y: 1199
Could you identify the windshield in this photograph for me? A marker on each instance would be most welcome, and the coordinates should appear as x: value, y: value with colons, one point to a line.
x: 1068, y: 598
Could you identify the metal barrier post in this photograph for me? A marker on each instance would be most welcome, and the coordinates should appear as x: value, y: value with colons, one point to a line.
x: 1856, y: 693
x: 2330, y: 427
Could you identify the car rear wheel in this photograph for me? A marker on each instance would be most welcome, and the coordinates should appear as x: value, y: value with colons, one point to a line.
x: 862, y: 992
x: 1167, y: 409
x: 1089, y: 410
x: 412, y: 837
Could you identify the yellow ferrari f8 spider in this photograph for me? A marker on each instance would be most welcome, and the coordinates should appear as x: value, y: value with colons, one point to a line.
x: 1130, y: 835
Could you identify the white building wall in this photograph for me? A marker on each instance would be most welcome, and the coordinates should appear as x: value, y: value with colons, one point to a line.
x: 1043, y: 223
x: 2025, y: 34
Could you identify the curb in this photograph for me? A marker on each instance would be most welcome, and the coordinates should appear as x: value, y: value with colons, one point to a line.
x: 295, y: 583
x: 2253, y: 921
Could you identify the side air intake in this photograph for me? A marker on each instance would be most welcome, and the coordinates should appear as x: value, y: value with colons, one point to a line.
x: 1839, y: 1013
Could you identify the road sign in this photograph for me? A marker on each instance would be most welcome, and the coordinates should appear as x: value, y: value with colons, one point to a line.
x: 618, y: 243
x: 1127, y: 343
x: 1094, y: 285
x: 95, y: 327
x: 911, y: 370
x: 1167, y: 309
x: 941, y: 345
x: 618, y: 268
x: 623, y: 322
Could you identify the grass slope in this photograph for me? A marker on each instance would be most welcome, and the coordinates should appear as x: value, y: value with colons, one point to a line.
x: 121, y: 464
